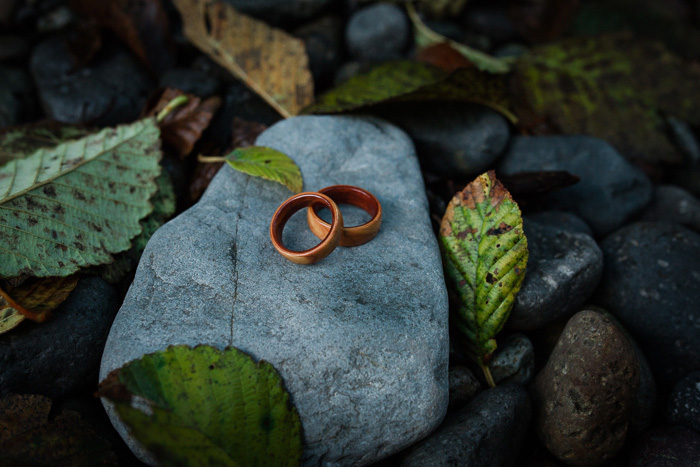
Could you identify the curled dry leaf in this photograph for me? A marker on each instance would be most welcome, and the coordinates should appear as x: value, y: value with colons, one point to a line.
x: 269, y: 61
x: 182, y: 127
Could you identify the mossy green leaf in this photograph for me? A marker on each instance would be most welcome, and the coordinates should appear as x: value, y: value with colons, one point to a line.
x: 407, y: 81
x: 76, y: 204
x: 207, y: 407
x: 268, y: 164
x: 485, y: 255
x: 615, y: 87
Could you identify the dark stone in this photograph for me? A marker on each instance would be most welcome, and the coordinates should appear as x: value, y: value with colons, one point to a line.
x: 463, y: 386
x: 513, y: 361
x: 651, y: 282
x: 684, y: 406
x: 669, y: 446
x: 563, y: 270
x: 684, y: 138
x: 62, y: 355
x: 491, y: 20
x: 323, y: 40
x: 13, y: 47
x: 112, y: 89
x: 580, y: 420
x: 190, y: 80
x: 378, y: 32
x: 673, y: 204
x: 562, y: 220
x: 452, y: 138
x: 488, y: 431
x: 611, y: 190
x: 287, y: 13
x: 16, y: 96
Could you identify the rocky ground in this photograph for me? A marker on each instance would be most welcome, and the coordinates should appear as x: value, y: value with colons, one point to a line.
x: 599, y: 363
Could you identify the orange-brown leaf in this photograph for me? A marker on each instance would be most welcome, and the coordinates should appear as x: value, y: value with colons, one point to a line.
x: 37, y: 297
x: 269, y: 61
x: 443, y: 56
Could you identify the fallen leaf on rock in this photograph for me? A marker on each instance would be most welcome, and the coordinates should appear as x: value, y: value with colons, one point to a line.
x: 615, y: 87
x: 182, y: 127
x: 443, y: 56
x: 406, y: 81
x: 268, y: 164
x: 75, y: 204
x: 485, y: 255
x: 29, y: 435
x: 207, y: 407
x: 269, y: 61
x: 141, y: 24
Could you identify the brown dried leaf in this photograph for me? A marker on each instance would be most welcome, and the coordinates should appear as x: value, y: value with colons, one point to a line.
x: 184, y: 125
x: 141, y: 24
x: 269, y: 61
x: 443, y: 56
x: 37, y: 297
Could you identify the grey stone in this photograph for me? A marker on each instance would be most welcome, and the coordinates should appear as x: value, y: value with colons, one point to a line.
x: 360, y: 338
x: 562, y: 220
x: 377, y: 32
x: 651, y: 283
x: 16, y: 96
x: 563, y: 271
x: 287, y: 13
x: 611, y: 190
x: 463, y: 386
x: 673, y: 204
x: 111, y: 89
x: 323, y: 40
x: 579, y: 419
x: 684, y: 405
x: 61, y: 355
x: 190, y: 80
x: 453, y: 138
x: 684, y: 138
x: 487, y: 432
x: 513, y: 361
x: 667, y: 446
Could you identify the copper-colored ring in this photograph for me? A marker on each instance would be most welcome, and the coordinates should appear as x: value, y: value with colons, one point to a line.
x: 285, y: 212
x: 348, y: 194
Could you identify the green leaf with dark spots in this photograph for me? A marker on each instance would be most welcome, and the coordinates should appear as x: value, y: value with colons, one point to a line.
x: 76, y: 204
x: 407, y: 81
x: 207, y: 407
x: 485, y: 255
x: 615, y: 87
x: 19, y: 142
x: 268, y: 164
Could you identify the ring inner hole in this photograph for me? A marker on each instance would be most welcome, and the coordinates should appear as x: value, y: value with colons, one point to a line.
x: 352, y: 215
x: 296, y: 235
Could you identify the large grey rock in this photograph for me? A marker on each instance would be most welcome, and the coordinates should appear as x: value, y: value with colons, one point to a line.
x: 60, y: 356
x: 610, y: 191
x: 487, y: 432
x: 360, y: 338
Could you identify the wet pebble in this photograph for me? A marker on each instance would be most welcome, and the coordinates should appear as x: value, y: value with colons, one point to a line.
x: 513, y: 361
x: 378, y: 32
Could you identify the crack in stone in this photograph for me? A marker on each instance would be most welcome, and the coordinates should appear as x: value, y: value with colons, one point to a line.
x: 235, y: 260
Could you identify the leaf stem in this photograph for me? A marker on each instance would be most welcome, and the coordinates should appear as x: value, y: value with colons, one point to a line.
x: 488, y: 376
x: 210, y: 159
x: 170, y: 106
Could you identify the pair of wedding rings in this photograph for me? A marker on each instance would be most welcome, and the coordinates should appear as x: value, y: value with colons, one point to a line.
x: 333, y: 234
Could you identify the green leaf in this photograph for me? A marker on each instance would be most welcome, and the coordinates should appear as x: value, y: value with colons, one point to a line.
x: 207, y: 407
x: 485, y: 255
x: 268, y: 164
x: 407, y: 81
x: 77, y: 203
x: 163, y: 202
x: 19, y: 142
x: 598, y: 86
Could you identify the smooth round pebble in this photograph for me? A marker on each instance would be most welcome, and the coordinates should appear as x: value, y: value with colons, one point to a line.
x: 562, y: 220
x: 513, y: 361
x: 684, y: 404
x: 377, y: 32
x: 463, y: 386
x: 673, y: 204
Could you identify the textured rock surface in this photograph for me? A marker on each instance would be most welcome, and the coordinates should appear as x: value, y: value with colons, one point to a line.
x: 359, y: 338
x: 513, y: 361
x: 487, y: 432
x: 684, y: 405
x: 456, y: 138
x: 583, y: 396
x: 377, y: 32
x: 61, y: 355
x: 610, y: 191
x: 111, y: 89
x: 651, y: 282
x: 673, y: 204
x: 563, y: 270
x: 672, y: 446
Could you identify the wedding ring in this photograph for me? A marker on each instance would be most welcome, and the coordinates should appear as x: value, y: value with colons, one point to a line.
x: 329, y: 240
x: 348, y: 194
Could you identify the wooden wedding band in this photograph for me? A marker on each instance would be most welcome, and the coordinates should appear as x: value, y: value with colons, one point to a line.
x: 348, y: 194
x: 329, y: 241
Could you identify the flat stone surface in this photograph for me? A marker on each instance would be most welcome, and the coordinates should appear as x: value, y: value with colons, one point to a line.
x: 360, y: 338
x: 651, y: 283
x: 563, y: 271
x: 487, y: 432
x: 579, y: 419
x: 610, y: 190
x: 61, y: 355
